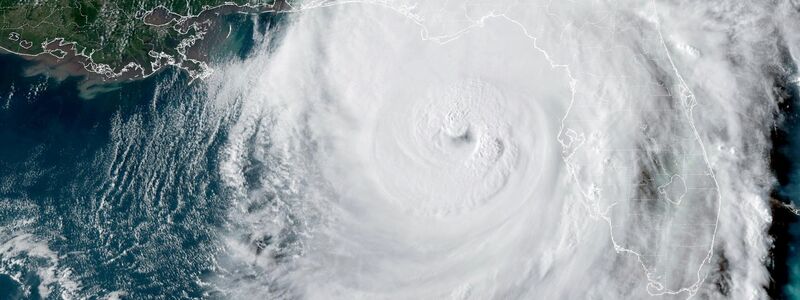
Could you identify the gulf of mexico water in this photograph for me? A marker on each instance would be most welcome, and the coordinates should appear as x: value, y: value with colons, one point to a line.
x: 116, y: 196
x: 119, y: 196
x: 115, y: 191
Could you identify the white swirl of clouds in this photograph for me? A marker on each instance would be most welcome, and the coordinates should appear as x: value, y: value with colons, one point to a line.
x: 498, y: 150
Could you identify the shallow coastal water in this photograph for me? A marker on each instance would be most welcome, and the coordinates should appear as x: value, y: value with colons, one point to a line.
x: 115, y: 195
x: 363, y: 158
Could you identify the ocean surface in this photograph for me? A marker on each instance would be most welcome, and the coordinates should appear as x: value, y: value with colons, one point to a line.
x: 113, y: 196
x: 105, y: 186
x: 122, y: 195
x: 786, y: 225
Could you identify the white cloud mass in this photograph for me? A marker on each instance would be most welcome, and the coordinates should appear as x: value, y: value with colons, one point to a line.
x: 505, y: 150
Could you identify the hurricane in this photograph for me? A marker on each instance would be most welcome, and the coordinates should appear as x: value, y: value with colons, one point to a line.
x: 500, y: 151
x: 397, y: 149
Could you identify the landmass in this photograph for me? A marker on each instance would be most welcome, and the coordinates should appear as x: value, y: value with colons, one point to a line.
x: 114, y: 40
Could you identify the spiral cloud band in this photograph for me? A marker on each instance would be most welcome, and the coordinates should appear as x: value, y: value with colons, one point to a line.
x: 503, y: 150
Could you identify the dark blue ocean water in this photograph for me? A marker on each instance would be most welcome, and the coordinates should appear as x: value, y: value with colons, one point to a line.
x: 100, y: 187
x: 118, y: 193
x: 121, y: 192
x: 785, y: 165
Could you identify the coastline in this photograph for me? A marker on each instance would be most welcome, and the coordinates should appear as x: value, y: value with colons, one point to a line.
x: 60, y: 58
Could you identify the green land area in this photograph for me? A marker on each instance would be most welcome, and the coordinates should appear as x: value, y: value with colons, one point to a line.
x: 107, y: 35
